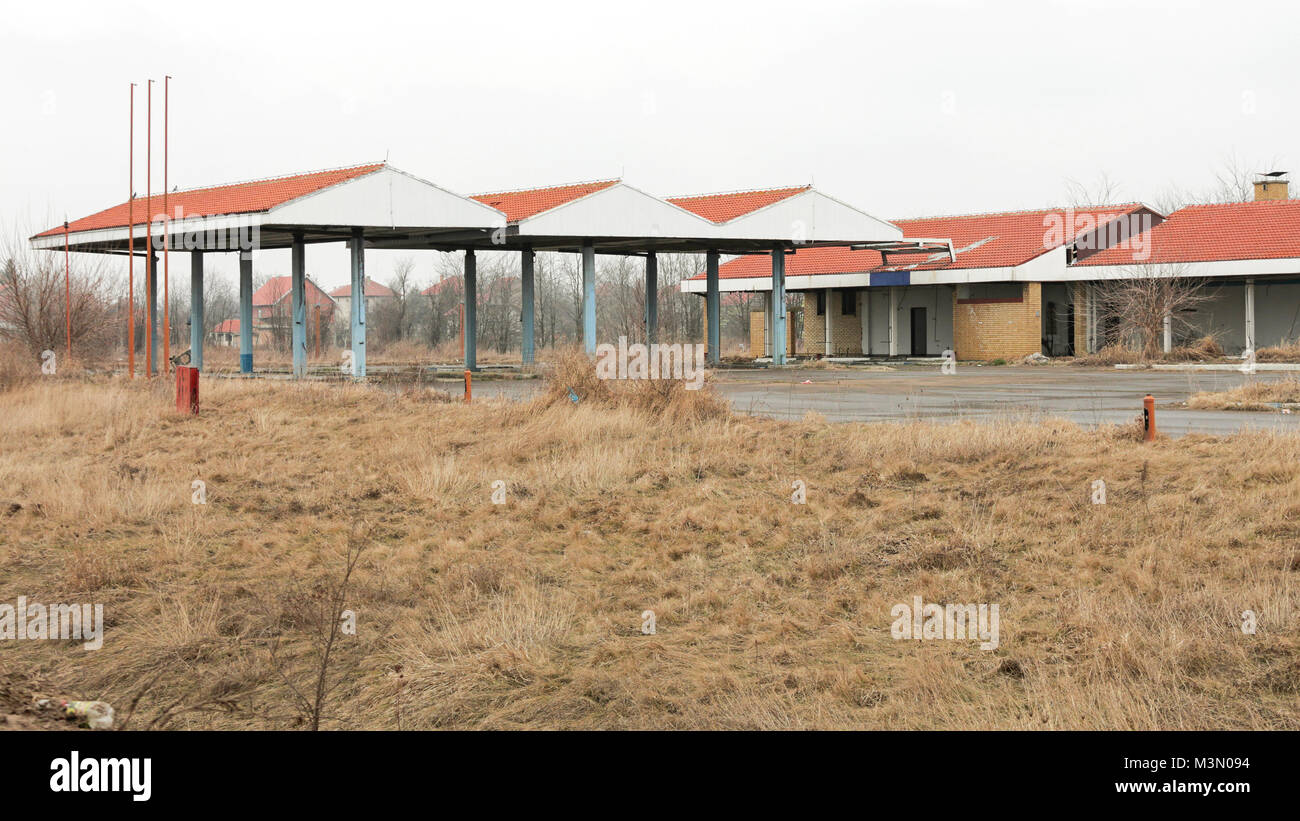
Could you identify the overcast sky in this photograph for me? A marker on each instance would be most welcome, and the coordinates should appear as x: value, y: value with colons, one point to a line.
x: 900, y: 108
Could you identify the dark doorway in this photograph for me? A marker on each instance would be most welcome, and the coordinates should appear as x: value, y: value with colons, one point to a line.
x: 919, y: 332
x: 1069, y: 332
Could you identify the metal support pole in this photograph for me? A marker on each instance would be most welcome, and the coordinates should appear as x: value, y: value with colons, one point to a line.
x: 527, y: 259
x: 196, y: 309
x: 298, y: 300
x: 826, y: 321
x: 1250, y: 314
x: 357, y: 304
x: 153, y: 307
x: 589, y: 298
x: 246, y: 312
x: 651, y: 297
x: 894, y: 298
x: 778, y: 305
x: 471, y: 312
x: 713, y: 307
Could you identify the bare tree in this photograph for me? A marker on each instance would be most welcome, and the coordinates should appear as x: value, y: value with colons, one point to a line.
x: 1132, y: 310
x: 1102, y: 191
x: 36, y: 294
x: 398, y: 314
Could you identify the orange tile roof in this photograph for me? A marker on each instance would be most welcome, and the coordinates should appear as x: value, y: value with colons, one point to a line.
x: 372, y: 288
x: 519, y: 205
x: 277, y: 288
x: 980, y: 241
x: 236, y: 198
x: 227, y: 326
x: 1268, y: 229
x: 718, y: 208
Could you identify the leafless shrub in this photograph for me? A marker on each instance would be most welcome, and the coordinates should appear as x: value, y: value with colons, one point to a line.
x: 36, y: 293
x: 317, y: 610
x: 1133, y: 309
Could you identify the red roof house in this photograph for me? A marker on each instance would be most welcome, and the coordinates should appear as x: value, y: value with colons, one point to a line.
x: 274, y: 297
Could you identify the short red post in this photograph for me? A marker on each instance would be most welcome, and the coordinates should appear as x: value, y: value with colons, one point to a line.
x: 187, y: 389
x: 1149, y: 418
x: 469, y: 386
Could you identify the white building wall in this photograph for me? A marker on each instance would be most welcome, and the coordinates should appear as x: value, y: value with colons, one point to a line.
x: 1277, y: 313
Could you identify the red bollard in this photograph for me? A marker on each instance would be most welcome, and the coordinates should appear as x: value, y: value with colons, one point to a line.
x: 469, y: 386
x: 1149, y: 418
x: 187, y: 389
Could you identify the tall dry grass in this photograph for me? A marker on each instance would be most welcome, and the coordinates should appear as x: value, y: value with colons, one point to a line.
x: 1252, y: 396
x: 527, y: 614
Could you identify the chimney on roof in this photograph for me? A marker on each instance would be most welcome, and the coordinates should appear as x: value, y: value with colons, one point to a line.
x: 1271, y: 185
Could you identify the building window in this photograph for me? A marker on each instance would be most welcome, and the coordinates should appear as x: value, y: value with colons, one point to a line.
x: 821, y: 303
x: 849, y: 303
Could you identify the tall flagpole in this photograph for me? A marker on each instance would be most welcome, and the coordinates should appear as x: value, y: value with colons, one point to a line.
x: 167, y: 325
x: 148, y: 243
x: 67, y: 289
x: 130, y: 246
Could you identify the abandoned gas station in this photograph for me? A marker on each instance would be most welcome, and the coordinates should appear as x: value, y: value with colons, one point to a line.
x: 986, y: 286
x: 378, y: 206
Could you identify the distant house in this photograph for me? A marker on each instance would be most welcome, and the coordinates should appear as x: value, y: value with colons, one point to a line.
x: 225, y: 334
x: 273, y: 309
x: 375, y: 294
x: 454, y: 286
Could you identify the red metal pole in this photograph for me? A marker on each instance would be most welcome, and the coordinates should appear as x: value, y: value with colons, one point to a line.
x: 130, y: 245
x: 167, y: 324
x: 67, y: 289
x: 148, y: 242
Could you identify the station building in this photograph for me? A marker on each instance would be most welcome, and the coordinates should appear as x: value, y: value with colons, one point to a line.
x: 1025, y: 282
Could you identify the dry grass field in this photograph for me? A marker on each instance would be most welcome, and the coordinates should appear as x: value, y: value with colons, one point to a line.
x: 528, y: 614
x: 1261, y: 396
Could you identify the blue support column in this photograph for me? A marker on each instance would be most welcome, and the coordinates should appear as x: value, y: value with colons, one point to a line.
x: 713, y: 307
x: 471, y: 312
x: 298, y: 297
x: 527, y: 259
x: 246, y: 312
x: 196, y: 309
x: 153, y: 312
x: 357, y: 304
x: 651, y: 297
x: 589, y: 298
x: 778, y: 305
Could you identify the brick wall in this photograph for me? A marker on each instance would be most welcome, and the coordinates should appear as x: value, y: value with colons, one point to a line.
x: 756, y: 340
x: 846, y: 330
x: 999, y: 329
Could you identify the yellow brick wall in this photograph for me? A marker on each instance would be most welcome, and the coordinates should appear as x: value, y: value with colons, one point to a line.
x: 846, y: 331
x: 756, y: 340
x: 993, y: 330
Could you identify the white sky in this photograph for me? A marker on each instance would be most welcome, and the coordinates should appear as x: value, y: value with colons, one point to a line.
x: 900, y: 108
